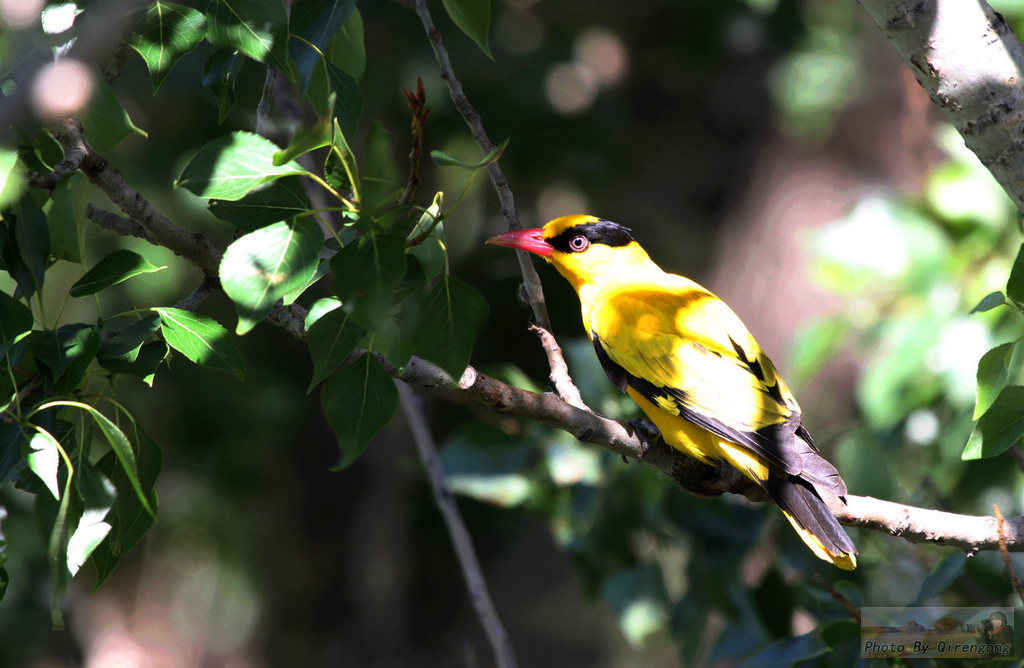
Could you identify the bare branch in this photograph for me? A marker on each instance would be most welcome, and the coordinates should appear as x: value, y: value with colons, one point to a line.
x: 501, y: 643
x: 126, y: 227
x: 420, y: 112
x: 208, y: 286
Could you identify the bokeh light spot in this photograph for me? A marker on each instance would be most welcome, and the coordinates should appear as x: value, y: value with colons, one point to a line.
x: 20, y: 14
x: 61, y: 89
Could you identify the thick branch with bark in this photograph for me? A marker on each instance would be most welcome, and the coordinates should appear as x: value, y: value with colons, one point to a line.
x: 968, y: 59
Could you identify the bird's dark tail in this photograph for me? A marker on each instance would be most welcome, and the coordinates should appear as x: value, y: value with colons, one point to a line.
x: 812, y: 519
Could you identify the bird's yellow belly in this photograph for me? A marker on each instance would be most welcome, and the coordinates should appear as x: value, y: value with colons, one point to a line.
x: 698, y: 442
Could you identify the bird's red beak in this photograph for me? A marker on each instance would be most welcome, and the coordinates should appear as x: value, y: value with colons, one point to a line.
x: 527, y: 240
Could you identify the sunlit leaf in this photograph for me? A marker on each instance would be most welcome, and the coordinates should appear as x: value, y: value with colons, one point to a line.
x: 114, y: 268
x: 104, y: 119
x: 431, y: 251
x: 42, y: 454
x: 1000, y: 427
x: 98, y: 496
x: 331, y: 338
x: 169, y: 31
x: 263, y: 266
x: 202, y: 340
x: 60, y: 348
x: 12, y: 177
x: 358, y: 399
x: 257, y: 28
x: 473, y: 17
x: 993, y: 370
x: 316, y: 22
x: 232, y: 165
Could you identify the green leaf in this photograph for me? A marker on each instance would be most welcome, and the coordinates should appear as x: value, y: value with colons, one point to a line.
x: 202, y: 340
x: 431, y: 251
x: 989, y: 302
x: 169, y: 31
x: 234, y: 164
x: 15, y: 321
x: 451, y: 316
x: 144, y: 364
x: 128, y: 340
x: 365, y: 274
x: 98, y: 496
x: 278, y: 200
x: 219, y: 74
x: 358, y: 400
x: 381, y: 176
x: 62, y: 214
x: 473, y: 17
x: 104, y: 119
x: 42, y: 454
x: 308, y: 139
x: 27, y: 246
x: 12, y: 177
x: 1015, y: 284
x: 348, y: 48
x: 331, y: 338
x: 113, y: 269
x: 333, y: 92
x: 993, y: 370
x: 1000, y: 427
x: 341, y: 170
x: 60, y: 348
x: 129, y: 518
x: 443, y: 159
x: 315, y: 22
x: 257, y: 28
x: 942, y: 576
x: 263, y: 266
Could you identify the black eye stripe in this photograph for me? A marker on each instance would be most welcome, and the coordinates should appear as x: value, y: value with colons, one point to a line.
x: 597, y: 232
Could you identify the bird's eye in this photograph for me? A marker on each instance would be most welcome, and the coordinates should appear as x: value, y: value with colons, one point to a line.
x: 579, y: 243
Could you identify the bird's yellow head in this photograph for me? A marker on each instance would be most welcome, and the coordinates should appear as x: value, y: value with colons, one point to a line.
x: 582, y: 248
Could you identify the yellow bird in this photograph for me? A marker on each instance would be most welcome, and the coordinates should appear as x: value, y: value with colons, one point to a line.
x: 694, y: 369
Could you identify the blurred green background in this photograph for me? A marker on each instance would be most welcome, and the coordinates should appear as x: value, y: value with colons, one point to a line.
x: 777, y: 152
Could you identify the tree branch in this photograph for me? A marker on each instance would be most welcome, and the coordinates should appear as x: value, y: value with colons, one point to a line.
x: 970, y: 62
x: 501, y: 643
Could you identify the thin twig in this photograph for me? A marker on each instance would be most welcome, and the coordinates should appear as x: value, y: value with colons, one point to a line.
x: 531, y: 280
x: 501, y: 643
x: 566, y: 389
x: 1007, y: 562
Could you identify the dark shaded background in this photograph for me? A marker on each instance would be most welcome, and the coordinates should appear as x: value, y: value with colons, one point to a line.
x: 736, y: 130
